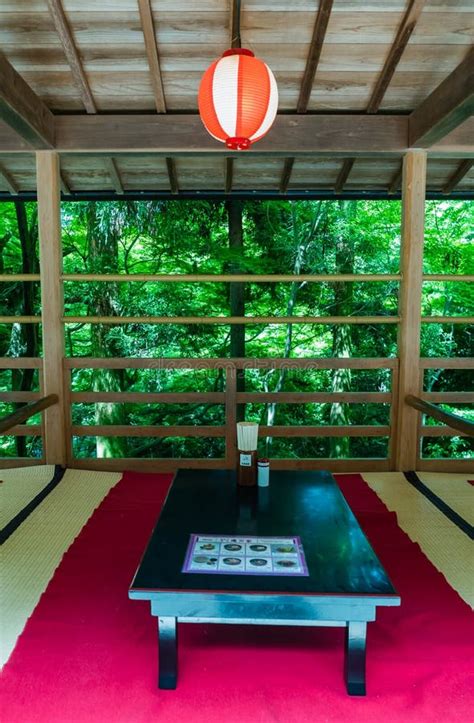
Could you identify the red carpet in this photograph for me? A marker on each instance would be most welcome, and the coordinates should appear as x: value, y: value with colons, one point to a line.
x: 88, y: 654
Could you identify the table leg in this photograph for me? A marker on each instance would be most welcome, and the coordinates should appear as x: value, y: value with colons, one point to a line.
x: 356, y: 633
x: 168, y: 653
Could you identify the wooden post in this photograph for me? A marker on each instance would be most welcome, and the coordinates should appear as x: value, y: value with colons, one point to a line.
x: 49, y: 224
x: 413, y: 216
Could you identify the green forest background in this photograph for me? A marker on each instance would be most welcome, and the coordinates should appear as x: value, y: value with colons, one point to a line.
x: 252, y: 237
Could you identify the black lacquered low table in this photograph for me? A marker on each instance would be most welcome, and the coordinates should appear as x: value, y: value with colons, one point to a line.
x: 344, y: 584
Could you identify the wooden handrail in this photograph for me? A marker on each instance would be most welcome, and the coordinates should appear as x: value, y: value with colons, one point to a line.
x: 452, y: 420
x: 24, y: 413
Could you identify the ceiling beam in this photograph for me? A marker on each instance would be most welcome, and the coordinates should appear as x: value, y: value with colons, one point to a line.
x: 325, y: 136
x: 72, y: 55
x: 286, y: 174
x: 461, y: 171
x: 343, y: 175
x: 114, y: 174
x: 402, y: 37
x: 172, y: 175
x: 178, y: 134
x: 451, y: 103
x: 396, y: 181
x: 312, y: 61
x: 23, y: 110
x: 151, y: 47
x: 229, y: 174
x: 9, y: 182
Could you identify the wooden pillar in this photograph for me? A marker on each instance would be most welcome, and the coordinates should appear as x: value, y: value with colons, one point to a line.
x: 413, y: 217
x: 49, y: 226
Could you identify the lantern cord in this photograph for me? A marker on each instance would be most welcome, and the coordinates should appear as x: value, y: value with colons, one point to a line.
x: 235, y: 41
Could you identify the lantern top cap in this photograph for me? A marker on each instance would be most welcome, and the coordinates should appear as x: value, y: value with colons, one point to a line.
x: 238, y: 51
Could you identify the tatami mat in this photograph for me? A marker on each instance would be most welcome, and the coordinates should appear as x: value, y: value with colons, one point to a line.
x: 449, y: 548
x: 19, y: 486
x: 32, y: 554
x: 454, y: 489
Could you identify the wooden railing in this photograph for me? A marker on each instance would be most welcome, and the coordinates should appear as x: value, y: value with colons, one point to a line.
x: 230, y: 398
x: 452, y: 420
x: 8, y: 423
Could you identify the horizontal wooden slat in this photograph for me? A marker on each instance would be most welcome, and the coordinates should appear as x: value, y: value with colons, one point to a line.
x: 123, y: 430
x: 448, y: 277
x: 313, y: 397
x: 238, y: 363
x: 171, y: 465
x: 447, y: 319
x: 19, y: 277
x: 116, y: 320
x: 23, y: 362
x: 157, y: 464
x: 228, y: 278
x: 454, y: 421
x: 20, y: 319
x: 324, y: 431
x: 120, y: 430
x: 148, y: 397
x: 23, y: 430
x: 14, y: 462
x: 445, y: 465
x: 447, y: 363
x: 19, y: 396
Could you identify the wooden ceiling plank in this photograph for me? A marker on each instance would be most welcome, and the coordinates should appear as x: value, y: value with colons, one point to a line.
x: 451, y: 103
x: 151, y: 47
x: 9, y: 182
x: 229, y: 174
x: 396, y: 181
x: 343, y: 175
x: 23, y: 110
x: 461, y: 171
x: 319, y: 32
x: 286, y: 174
x: 172, y: 175
x: 72, y: 55
x: 114, y: 174
x: 402, y: 37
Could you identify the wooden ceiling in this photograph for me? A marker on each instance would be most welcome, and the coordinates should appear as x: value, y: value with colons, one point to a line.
x: 345, y: 57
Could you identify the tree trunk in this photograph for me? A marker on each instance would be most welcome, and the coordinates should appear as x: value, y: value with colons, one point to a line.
x: 103, y: 252
x: 237, y: 293
x: 28, y: 235
x: 342, y: 343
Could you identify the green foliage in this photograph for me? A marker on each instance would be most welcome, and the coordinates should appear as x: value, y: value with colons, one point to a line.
x: 279, y: 237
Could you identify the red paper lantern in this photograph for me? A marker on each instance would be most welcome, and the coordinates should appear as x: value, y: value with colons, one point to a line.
x: 238, y: 99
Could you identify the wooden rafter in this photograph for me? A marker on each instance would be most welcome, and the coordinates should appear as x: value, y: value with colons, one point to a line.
x: 172, y: 175
x: 114, y: 174
x: 319, y: 32
x: 286, y: 174
x: 461, y: 171
x: 9, y: 181
x: 229, y: 174
x: 451, y: 103
x: 64, y: 185
x: 395, y: 181
x: 72, y: 55
x: 343, y: 175
x: 402, y: 37
x: 149, y: 35
x: 23, y: 110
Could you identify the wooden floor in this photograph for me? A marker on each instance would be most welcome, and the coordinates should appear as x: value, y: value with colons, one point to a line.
x: 31, y: 555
